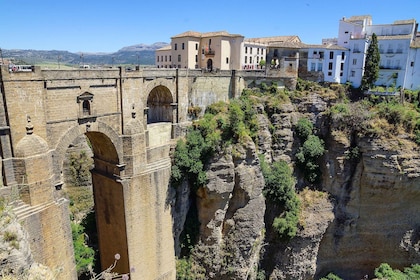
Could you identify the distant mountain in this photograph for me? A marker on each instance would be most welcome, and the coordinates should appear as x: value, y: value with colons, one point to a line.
x: 137, y: 54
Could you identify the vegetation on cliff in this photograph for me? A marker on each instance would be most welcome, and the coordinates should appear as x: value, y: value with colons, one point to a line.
x: 346, y: 116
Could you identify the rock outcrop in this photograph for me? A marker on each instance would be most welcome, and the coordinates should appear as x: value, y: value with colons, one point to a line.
x: 377, y: 209
x: 231, y: 212
x: 16, y: 261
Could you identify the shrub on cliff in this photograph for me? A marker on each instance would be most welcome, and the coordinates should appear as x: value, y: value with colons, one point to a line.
x: 308, y: 155
x: 279, y: 188
x: 385, y: 271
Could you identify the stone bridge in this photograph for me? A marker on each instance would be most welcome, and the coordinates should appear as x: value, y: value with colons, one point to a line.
x: 132, y: 120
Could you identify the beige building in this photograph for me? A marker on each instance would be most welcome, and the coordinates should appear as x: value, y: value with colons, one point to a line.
x: 217, y: 51
x: 195, y: 50
x: 164, y: 57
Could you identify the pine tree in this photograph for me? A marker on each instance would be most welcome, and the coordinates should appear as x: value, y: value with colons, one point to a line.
x: 373, y: 57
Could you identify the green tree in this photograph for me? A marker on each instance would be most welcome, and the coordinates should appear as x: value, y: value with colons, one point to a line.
x: 84, y: 255
x: 373, y: 57
x: 304, y: 128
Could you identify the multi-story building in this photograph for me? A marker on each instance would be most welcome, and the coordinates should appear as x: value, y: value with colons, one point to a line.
x: 327, y: 62
x: 337, y: 60
x: 194, y: 50
x: 397, y: 47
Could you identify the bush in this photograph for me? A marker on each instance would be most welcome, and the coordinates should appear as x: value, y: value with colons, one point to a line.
x: 331, y: 276
x: 385, y: 271
x: 84, y: 255
x: 304, y: 128
x: 308, y: 155
x: 279, y: 188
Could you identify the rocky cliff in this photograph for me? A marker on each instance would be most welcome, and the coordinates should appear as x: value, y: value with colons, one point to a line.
x: 364, y: 210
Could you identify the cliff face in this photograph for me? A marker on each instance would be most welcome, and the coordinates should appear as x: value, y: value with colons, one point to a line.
x: 231, y: 213
x: 364, y: 211
x: 377, y: 212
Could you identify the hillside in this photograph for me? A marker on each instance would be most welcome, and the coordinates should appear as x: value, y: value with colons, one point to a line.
x: 137, y: 54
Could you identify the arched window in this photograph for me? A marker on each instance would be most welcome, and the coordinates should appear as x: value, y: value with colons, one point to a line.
x: 86, y: 107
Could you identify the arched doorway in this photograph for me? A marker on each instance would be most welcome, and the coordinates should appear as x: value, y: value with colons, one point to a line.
x: 159, y: 103
x: 108, y: 202
x: 210, y: 65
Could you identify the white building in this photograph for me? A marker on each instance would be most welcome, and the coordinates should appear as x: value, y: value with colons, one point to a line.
x: 330, y: 60
x: 396, y: 43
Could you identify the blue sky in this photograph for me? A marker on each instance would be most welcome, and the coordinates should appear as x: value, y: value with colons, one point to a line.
x: 109, y: 25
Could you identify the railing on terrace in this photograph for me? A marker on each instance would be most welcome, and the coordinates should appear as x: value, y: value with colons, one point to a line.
x: 209, y: 52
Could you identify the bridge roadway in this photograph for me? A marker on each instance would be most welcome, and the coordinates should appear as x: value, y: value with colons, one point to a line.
x: 132, y: 120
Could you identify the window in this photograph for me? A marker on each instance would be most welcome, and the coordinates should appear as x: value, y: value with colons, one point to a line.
x: 166, y: 58
x: 262, y: 51
x: 196, y: 58
x: 227, y: 60
x: 356, y: 48
x: 161, y: 58
x: 329, y: 73
x: 246, y: 49
x: 183, y: 45
x: 319, y: 66
x: 157, y: 58
x: 196, y: 46
x: 258, y: 59
x: 86, y: 107
x: 412, y: 63
x: 352, y: 73
x: 321, y: 55
x: 258, y: 50
x: 202, y: 51
x: 246, y: 59
x: 179, y: 58
x: 313, y: 66
x: 209, y: 42
x: 354, y: 61
x: 341, y: 74
x: 250, y: 60
x: 250, y: 50
x: 170, y: 58
x: 343, y: 55
x: 176, y: 47
x: 330, y: 66
x: 331, y: 55
x: 342, y: 66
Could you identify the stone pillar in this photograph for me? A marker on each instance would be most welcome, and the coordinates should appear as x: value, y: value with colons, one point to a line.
x: 46, y: 220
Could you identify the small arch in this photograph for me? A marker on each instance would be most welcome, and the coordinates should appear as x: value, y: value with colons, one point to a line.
x: 159, y: 103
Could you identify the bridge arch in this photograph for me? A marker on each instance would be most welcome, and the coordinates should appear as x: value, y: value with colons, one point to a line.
x: 159, y: 104
x: 108, y: 191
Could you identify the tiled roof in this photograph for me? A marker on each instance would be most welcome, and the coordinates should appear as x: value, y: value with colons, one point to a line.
x: 165, y: 48
x: 273, y: 39
x: 188, y: 34
x: 206, y: 34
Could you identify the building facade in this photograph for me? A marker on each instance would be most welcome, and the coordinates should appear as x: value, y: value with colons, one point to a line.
x: 396, y: 43
x: 336, y: 60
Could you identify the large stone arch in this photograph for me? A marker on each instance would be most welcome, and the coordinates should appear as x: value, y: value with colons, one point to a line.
x: 74, y: 132
x: 159, y: 104
x: 107, y: 189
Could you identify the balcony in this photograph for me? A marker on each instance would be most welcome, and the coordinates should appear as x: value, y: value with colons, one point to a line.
x: 209, y: 52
